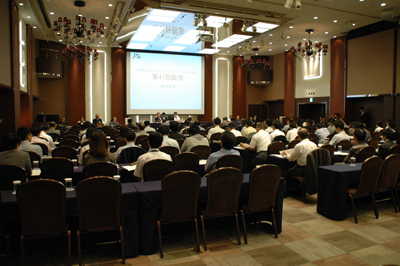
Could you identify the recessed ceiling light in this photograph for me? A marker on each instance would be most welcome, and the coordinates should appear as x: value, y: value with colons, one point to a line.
x: 335, y: 21
x: 28, y: 16
x: 100, y: 42
x: 286, y: 50
x: 271, y: 35
x: 227, y: 51
x: 110, y: 4
x: 304, y: 39
x: 254, y: 41
x: 34, y: 27
x: 326, y: 32
x: 285, y: 44
x: 288, y: 37
x: 315, y: 17
x: 361, y: 0
x: 51, y: 13
x: 270, y: 43
x: 256, y: 53
x: 107, y: 17
x: 353, y: 24
x: 291, y: 27
x: 334, y: 36
x: 21, y: 4
x: 383, y: 4
x: 60, y: 40
x: 270, y: 50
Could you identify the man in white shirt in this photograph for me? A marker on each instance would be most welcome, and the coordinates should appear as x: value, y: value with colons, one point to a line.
x: 164, y: 130
x: 341, y: 134
x: 36, y: 138
x: 269, y: 128
x: 148, y: 128
x: 186, y: 126
x: 130, y: 138
x: 379, y: 127
x: 215, y: 129
x: 155, y: 142
x: 43, y: 134
x: 292, y: 133
x: 321, y: 132
x: 259, y: 143
x: 248, y: 129
x: 176, y: 117
x: 276, y: 125
x: 26, y: 137
x: 286, y: 127
x: 140, y: 128
x: 299, y: 153
x: 232, y: 129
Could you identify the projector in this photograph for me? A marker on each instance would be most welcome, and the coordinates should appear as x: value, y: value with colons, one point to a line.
x: 206, y: 37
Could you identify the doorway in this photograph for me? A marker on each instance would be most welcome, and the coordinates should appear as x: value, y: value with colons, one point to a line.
x: 312, y: 110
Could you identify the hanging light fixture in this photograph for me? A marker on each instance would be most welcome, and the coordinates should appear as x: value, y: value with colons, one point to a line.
x: 308, y: 52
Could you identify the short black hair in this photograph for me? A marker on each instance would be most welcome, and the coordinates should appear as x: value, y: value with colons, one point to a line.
x: 389, y: 134
x: 358, y: 125
x: 276, y: 124
x: 35, y: 130
x: 379, y: 123
x: 392, y: 124
x: 197, y: 123
x: 249, y: 122
x: 173, y: 126
x: 175, y: 112
x: 52, y: 124
x: 269, y: 122
x: 86, y: 124
x: 130, y: 135
x: 90, y: 131
x: 292, y: 125
x: 141, y: 126
x: 217, y: 121
x: 155, y: 139
x: 23, y: 132
x: 302, y: 133
x: 225, y: 118
x: 339, y: 124
x: 319, y: 125
x: 228, y: 140
x: 164, y: 130
x: 44, y: 127
x: 147, y: 123
x: 309, y: 121
x: 187, y: 123
x: 231, y: 125
x: 193, y: 130
x: 361, y: 108
x: 11, y: 141
x: 130, y: 120
x: 359, y: 134
x: 299, y: 122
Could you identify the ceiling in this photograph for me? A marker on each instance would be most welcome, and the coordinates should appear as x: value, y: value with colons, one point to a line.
x: 328, y: 18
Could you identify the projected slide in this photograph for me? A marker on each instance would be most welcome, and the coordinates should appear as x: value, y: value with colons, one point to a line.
x: 167, y: 83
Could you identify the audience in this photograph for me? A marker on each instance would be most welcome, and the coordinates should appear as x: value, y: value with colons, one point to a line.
x: 140, y: 129
x: 89, y: 134
x: 215, y: 129
x: 259, y: 143
x: 186, y: 126
x: 378, y: 127
x: 269, y: 128
x: 322, y: 132
x: 227, y: 144
x: 195, y: 139
x: 174, y: 134
x: 43, y: 134
x: 164, y: 130
x: 359, y: 125
x: 98, y: 151
x: 358, y: 139
x: 292, y: 133
x: 224, y: 121
x: 36, y: 138
x: 130, y: 138
x: 341, y: 134
x: 248, y: 128
x: 232, y: 129
x: 389, y: 138
x: 276, y: 125
x: 11, y: 154
x: 25, y: 135
x: 53, y: 129
x: 113, y: 122
x: 147, y: 127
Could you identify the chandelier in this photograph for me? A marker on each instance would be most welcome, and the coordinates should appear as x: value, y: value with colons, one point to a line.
x: 308, y: 52
x: 257, y: 64
x: 78, y: 35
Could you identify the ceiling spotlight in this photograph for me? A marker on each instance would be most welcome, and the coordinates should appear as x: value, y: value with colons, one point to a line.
x: 298, y: 4
x: 244, y: 27
x: 204, y: 22
x: 288, y: 4
x: 226, y: 25
x: 249, y: 1
x: 254, y: 29
x: 195, y: 22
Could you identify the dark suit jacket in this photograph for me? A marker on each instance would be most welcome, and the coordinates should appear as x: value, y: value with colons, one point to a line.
x: 158, y: 119
x: 363, y: 118
x: 384, y: 148
x: 176, y: 135
x: 95, y: 121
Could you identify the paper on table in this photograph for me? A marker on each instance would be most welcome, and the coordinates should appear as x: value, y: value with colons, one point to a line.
x: 36, y: 172
x: 289, y: 151
x: 239, y: 147
x: 129, y: 167
x: 202, y: 162
x: 340, y: 153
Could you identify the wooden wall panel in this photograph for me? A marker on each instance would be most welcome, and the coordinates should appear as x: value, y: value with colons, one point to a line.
x: 118, y: 84
x: 239, y: 87
x: 209, y: 91
x: 27, y: 99
x: 338, y: 76
x: 75, y: 91
x: 289, y: 88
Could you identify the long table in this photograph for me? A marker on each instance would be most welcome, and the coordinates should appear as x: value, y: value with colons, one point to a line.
x: 333, y: 183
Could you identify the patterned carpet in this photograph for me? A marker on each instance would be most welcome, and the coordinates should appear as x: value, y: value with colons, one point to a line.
x: 307, y: 238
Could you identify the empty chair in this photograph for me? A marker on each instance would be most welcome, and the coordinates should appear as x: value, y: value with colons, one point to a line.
x: 376, y: 135
x: 230, y: 160
x: 100, y: 169
x: 157, y: 169
x: 281, y: 138
x: 99, y: 208
x: 395, y: 149
x: 180, y: 191
x: 215, y: 137
x: 275, y: 147
x: 9, y: 173
x: 293, y: 143
x: 186, y: 161
x: 264, y: 183
x: 57, y: 169
x: 172, y: 151
x: 241, y: 139
x: 45, y: 150
x: 120, y: 143
x: 34, y: 157
x: 41, y: 204
x: 130, y: 155
x: 202, y: 151
x: 364, y: 154
x: 223, y: 186
x: 370, y: 173
x: 65, y: 152
x: 55, y: 136
x: 329, y: 148
x: 346, y: 144
x: 69, y: 143
x: 373, y: 142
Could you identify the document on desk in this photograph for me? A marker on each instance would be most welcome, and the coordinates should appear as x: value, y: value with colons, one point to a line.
x: 202, y: 162
x: 129, y: 167
x: 240, y: 147
x: 36, y: 172
x: 340, y: 153
x: 289, y: 151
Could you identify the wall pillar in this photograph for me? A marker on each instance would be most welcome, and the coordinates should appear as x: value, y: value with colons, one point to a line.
x: 289, y: 87
x: 239, y: 88
x: 338, y: 76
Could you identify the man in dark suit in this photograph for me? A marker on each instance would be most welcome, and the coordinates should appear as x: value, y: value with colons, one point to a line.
x: 389, y: 138
x: 97, y: 119
x: 11, y: 154
x: 158, y: 118
x: 363, y: 118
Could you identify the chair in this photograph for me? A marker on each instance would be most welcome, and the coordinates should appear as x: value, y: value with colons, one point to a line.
x: 69, y: 143
x: 329, y: 148
x: 172, y: 151
x: 312, y: 130
x: 120, y: 143
x: 180, y: 142
x: 156, y: 169
x: 180, y: 191
x: 281, y: 138
x: 223, y: 186
x: 330, y: 136
x: 389, y: 176
x: 308, y: 182
x: 312, y: 136
x: 140, y: 138
x: 264, y: 183
x: 45, y: 150
x: 9, y: 173
x: 373, y: 143
x: 34, y: 157
x: 57, y: 169
x: 130, y: 155
x: 71, y: 137
x: 241, y: 139
x: 99, y: 208
x: 315, y: 141
x: 65, y: 152
x: 293, y: 143
x: 395, y: 149
x: 275, y: 147
x: 376, y: 135
x: 42, y: 207
x: 145, y: 144
x: 370, y: 173
x: 230, y: 160
x: 100, y: 169
x: 55, y: 136
x: 202, y: 151
x: 364, y: 154
x: 186, y: 161
x: 346, y: 144
x: 216, y: 137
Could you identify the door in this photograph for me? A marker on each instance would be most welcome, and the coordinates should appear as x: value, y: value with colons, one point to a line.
x: 312, y: 110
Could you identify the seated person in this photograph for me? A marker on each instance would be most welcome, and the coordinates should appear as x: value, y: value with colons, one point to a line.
x: 379, y: 127
x: 53, y: 129
x: 26, y: 137
x: 322, y: 132
x: 97, y: 119
x: 89, y: 134
x: 176, y: 117
x: 131, y: 124
x: 292, y: 132
x: 140, y: 129
x: 148, y: 128
x: 11, y: 154
x: 98, y: 151
x: 174, y: 134
x: 224, y: 121
x: 43, y: 134
x: 389, y: 139
x: 130, y: 138
x: 259, y: 143
x: 341, y: 134
x: 286, y: 127
x: 113, y: 122
x: 197, y: 123
x: 360, y: 125
x: 299, y: 153
x: 164, y: 130
x: 248, y: 128
x: 358, y: 139
x: 232, y: 129
x: 81, y: 121
x: 195, y: 139
x: 164, y: 117
x: 155, y: 142
x: 186, y: 126
x: 215, y: 129
x: 62, y: 122
x: 36, y: 138
x: 276, y: 125
x: 269, y: 128
x: 158, y: 118
x: 227, y: 143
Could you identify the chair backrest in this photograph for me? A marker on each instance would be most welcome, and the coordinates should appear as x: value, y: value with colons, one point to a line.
x: 145, y: 144
x: 41, y: 204
x: 330, y: 136
x: 99, y: 203
x: 365, y: 153
x: 34, y: 157
x: 395, y: 149
x: 65, y: 152
x: 120, y: 143
x: 9, y: 173
x: 180, y: 191
x: 130, y: 155
x: 180, y: 142
x: 390, y: 173
x: 157, y: 169
x: 45, y: 150
x: 186, y: 161
x: 264, y: 183
x: 293, y: 143
x: 223, y: 187
x: 373, y: 143
x: 241, y: 139
x: 281, y: 138
x: 346, y: 144
x: 250, y: 135
x: 275, y: 147
x: 69, y: 143
x: 55, y: 136
x: 140, y: 138
x: 85, y: 143
x: 215, y: 136
x: 172, y: 151
x: 315, y: 158
x: 312, y: 130
x: 57, y: 169
x: 329, y: 148
x: 70, y: 137
x: 230, y: 160
x: 312, y: 136
x: 202, y: 151
x: 376, y: 135
x: 370, y: 173
x: 100, y: 169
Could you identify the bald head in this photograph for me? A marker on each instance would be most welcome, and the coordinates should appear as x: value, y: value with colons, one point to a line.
x: 302, y: 133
